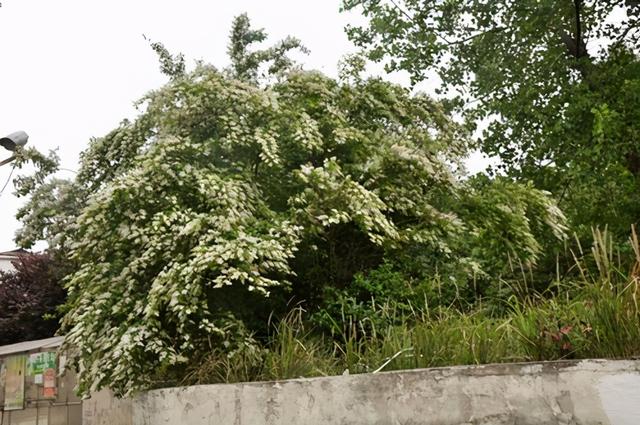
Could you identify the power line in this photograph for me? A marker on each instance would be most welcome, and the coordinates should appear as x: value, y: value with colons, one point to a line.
x: 8, y: 179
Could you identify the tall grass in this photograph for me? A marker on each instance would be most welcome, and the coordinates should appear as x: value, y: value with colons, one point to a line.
x: 593, y: 316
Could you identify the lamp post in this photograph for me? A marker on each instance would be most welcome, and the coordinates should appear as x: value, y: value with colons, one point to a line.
x: 11, y: 142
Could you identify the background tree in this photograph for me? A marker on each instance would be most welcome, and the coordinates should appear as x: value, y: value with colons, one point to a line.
x: 557, y: 82
x: 29, y: 299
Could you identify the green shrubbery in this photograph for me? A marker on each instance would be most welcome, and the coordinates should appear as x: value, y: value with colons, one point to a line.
x: 589, y: 316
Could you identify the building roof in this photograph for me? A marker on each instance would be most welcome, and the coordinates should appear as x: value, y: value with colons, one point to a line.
x: 25, y: 346
x: 14, y: 253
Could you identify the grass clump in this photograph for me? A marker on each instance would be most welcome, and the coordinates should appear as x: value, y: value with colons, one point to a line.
x: 595, y: 315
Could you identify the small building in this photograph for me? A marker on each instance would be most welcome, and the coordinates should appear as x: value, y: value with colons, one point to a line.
x: 8, y: 257
x: 35, y: 386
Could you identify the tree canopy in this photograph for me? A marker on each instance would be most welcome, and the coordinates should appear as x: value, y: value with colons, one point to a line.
x: 234, y: 186
x: 557, y: 82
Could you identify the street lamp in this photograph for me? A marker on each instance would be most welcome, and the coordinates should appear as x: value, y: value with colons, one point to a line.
x: 11, y: 142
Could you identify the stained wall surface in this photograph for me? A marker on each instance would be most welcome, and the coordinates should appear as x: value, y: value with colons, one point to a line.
x: 582, y: 392
x: 64, y: 408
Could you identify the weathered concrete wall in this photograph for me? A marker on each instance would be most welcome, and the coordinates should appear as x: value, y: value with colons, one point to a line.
x: 104, y: 409
x: 586, y: 392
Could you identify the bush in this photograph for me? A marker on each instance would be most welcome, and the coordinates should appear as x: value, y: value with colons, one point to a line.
x: 595, y: 316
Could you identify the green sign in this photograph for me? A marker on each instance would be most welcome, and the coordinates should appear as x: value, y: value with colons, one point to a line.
x: 39, y: 362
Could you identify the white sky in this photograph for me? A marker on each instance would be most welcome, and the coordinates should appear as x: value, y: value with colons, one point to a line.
x: 71, y: 69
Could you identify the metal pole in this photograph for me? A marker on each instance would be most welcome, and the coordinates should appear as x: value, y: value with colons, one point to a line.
x: 8, y: 160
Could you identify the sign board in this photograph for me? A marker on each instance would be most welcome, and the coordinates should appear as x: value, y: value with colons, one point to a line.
x: 42, y: 366
x: 14, y: 382
x: 49, y: 390
x: 39, y: 362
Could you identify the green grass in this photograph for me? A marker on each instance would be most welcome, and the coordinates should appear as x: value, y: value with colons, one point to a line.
x: 594, y: 316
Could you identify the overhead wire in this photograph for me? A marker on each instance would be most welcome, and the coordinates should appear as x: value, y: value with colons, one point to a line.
x: 8, y: 180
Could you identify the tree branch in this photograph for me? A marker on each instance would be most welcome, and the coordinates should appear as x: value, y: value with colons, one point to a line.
x: 471, y: 37
x: 440, y: 36
x: 412, y: 19
x: 581, y: 47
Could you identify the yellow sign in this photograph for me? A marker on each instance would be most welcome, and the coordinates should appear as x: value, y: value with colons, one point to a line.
x: 14, y: 382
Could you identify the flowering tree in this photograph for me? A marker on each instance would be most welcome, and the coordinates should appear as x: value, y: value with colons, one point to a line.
x: 291, y: 180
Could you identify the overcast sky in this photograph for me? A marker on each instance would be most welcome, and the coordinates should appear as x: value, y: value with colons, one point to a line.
x: 71, y: 69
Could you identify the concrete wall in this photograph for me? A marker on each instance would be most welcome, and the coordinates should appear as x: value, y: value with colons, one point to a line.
x: 104, y: 409
x: 586, y: 392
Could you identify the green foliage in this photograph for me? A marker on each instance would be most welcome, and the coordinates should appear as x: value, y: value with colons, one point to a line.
x: 362, y: 299
x: 508, y: 218
x: 292, y: 351
x: 554, y: 82
x: 172, y: 66
x: 593, y: 316
x: 49, y: 213
x: 229, y: 194
x: 44, y: 165
x: 246, y: 64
